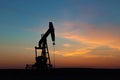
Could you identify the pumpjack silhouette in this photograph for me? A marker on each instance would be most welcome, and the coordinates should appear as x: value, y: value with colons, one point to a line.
x: 43, y: 61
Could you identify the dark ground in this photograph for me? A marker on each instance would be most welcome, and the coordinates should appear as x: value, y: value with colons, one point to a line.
x: 61, y: 74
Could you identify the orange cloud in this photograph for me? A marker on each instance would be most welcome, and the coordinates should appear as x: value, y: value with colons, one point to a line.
x: 67, y: 45
x: 92, y: 35
x: 77, y: 52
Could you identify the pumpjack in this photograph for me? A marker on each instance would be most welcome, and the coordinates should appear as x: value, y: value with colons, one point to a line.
x: 43, y: 61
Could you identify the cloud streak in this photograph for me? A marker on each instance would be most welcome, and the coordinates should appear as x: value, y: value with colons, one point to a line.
x: 67, y: 45
x: 101, y: 35
x: 94, y: 36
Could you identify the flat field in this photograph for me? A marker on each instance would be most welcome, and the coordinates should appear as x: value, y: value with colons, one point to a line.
x: 61, y: 74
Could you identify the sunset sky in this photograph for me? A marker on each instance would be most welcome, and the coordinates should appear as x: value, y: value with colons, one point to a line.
x: 87, y: 32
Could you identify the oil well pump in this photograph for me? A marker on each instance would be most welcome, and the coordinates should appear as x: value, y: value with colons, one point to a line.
x: 43, y: 62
